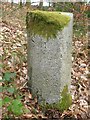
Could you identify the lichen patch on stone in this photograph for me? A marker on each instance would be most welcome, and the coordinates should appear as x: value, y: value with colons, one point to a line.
x: 63, y: 104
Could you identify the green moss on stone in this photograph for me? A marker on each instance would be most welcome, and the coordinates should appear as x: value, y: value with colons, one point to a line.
x: 45, y: 23
x: 63, y: 104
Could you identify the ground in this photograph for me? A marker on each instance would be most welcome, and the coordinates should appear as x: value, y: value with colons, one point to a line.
x: 13, y: 50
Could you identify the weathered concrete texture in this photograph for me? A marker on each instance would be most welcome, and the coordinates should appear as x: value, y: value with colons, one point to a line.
x: 49, y: 64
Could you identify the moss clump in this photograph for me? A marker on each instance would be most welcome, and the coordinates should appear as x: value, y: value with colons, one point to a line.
x: 46, y: 24
x: 63, y: 104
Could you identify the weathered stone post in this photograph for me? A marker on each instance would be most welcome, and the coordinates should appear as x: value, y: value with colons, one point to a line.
x: 49, y: 54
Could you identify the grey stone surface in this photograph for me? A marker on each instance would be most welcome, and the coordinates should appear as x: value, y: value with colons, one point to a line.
x: 49, y: 64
